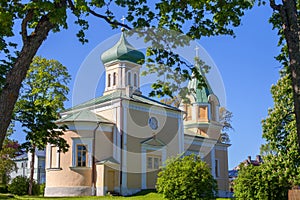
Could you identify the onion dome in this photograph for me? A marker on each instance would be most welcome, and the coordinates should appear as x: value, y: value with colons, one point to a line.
x: 122, y: 51
x: 200, y: 94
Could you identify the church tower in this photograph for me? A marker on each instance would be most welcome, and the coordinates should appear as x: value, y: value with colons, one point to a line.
x: 202, y: 112
x: 122, y: 64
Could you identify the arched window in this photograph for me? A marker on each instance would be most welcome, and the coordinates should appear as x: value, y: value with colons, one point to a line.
x: 135, y: 80
x: 129, y: 78
x: 188, y: 110
x: 108, y: 80
x: 115, y: 78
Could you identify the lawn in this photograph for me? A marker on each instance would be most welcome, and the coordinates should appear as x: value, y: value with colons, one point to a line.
x: 140, y: 196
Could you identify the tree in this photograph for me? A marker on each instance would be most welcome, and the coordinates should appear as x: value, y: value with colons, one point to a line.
x: 43, y: 94
x: 38, y: 18
x: 285, y: 18
x: 226, y: 120
x: 9, y: 151
x: 186, y: 177
x: 280, y: 170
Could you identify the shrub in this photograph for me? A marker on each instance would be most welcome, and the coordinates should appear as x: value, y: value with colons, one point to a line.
x: 19, y: 185
x: 42, y: 189
x: 186, y: 178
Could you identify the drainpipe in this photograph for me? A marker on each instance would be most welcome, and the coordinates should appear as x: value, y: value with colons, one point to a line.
x: 121, y: 143
x: 93, y: 160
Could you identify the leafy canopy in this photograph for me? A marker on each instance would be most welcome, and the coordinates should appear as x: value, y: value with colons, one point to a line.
x: 43, y: 93
x: 280, y: 170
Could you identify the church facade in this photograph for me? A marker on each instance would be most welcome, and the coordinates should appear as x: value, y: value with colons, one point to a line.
x: 119, y: 141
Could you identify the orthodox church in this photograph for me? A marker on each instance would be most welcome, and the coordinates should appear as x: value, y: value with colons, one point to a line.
x: 119, y: 141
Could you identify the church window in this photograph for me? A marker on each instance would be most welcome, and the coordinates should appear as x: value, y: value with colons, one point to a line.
x: 153, y: 162
x: 217, y: 168
x: 54, y: 155
x: 135, y: 80
x: 114, y: 78
x: 129, y: 78
x: 202, y: 113
x: 81, y: 155
x: 108, y: 80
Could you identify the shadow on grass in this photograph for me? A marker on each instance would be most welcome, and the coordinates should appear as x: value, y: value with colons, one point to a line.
x: 144, y: 192
x: 6, y: 196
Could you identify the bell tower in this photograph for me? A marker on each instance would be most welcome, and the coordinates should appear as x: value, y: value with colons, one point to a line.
x: 122, y: 64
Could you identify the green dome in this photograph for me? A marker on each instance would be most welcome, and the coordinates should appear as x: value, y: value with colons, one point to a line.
x: 122, y: 51
x: 201, y: 94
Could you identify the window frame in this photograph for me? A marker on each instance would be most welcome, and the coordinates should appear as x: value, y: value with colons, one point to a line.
x: 86, y: 155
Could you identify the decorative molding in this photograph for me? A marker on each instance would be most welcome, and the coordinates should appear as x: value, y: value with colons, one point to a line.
x: 84, y: 141
x: 156, y: 111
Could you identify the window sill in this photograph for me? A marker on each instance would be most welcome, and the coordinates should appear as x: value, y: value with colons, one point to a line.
x: 80, y: 168
x: 54, y: 169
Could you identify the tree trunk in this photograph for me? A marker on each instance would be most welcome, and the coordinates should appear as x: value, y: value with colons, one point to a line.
x: 31, y: 172
x: 17, y: 74
x: 291, y: 29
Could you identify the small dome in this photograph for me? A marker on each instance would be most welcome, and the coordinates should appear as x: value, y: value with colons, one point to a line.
x: 122, y: 51
x: 201, y: 94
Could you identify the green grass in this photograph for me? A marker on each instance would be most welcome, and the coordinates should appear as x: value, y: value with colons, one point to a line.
x: 140, y: 196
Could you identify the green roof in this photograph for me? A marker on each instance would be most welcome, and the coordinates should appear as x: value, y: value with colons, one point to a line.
x: 122, y: 51
x: 84, y: 116
x: 118, y: 94
x: 201, y: 94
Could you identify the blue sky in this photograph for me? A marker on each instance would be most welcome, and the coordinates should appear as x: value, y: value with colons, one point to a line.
x: 246, y: 64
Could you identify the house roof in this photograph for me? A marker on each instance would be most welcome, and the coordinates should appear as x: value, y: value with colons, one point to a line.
x: 116, y: 95
x: 122, y: 51
x: 108, y: 160
x: 38, y: 153
x: 84, y: 116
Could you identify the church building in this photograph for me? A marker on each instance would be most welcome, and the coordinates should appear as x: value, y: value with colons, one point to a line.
x: 118, y: 141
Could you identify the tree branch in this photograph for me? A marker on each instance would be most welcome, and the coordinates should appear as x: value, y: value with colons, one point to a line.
x: 275, y: 6
x: 73, y: 8
x: 25, y: 21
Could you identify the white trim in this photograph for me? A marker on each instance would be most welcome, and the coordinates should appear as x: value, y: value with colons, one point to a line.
x: 144, y: 169
x: 115, y: 147
x: 180, y: 134
x: 88, y: 126
x: 154, y: 110
x: 194, y: 112
x: 209, y: 111
x: 49, y: 156
x: 144, y: 149
x: 221, y: 148
x: 57, y: 158
x: 124, y: 150
x: 204, y: 143
x: 85, y: 141
x: 213, y: 158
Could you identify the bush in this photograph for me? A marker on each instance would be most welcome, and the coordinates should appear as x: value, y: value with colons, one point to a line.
x: 19, y: 185
x: 42, y: 189
x: 3, y: 188
x: 186, y: 178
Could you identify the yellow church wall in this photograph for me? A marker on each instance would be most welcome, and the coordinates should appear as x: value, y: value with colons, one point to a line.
x: 109, y: 114
x: 223, y: 181
x: 103, y: 145
x: 65, y: 176
x: 139, y: 131
x: 134, y: 180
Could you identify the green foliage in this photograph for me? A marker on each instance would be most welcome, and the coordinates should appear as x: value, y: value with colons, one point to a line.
x: 186, y: 178
x: 19, y: 185
x: 281, y: 168
x: 43, y: 93
x: 8, y: 152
